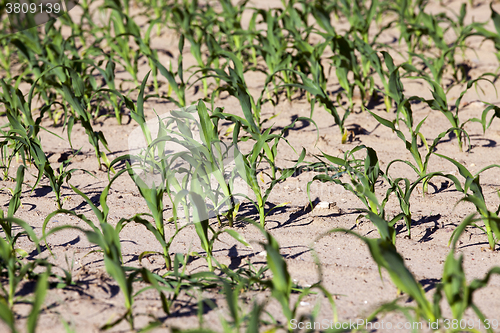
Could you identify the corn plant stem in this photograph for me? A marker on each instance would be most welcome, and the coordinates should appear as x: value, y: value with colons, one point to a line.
x: 12, y: 282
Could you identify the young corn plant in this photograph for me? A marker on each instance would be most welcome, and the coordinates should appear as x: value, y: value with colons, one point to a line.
x: 483, y: 121
x: 84, y: 29
x: 153, y: 195
x: 203, y: 179
x: 10, y: 147
x: 33, y: 52
x: 360, y: 17
x: 73, y: 91
x: 179, y: 88
x: 207, y: 161
x: 314, y: 86
x: 490, y: 219
x: 431, y: 26
x: 185, y: 18
x: 421, y: 162
x: 108, y: 75
x: 408, y: 13
x: 27, y: 144
x: 281, y: 283
x: 274, y: 47
x: 236, y: 86
x: 363, y: 174
x: 124, y: 27
x: 445, y: 58
x: 175, y: 281
x: 458, y: 293
x: 19, y: 109
x: 403, y: 194
x: 230, y: 32
x: 384, y: 253
x: 265, y: 148
x: 196, y: 212
x: 15, y: 201
x: 8, y: 315
x: 6, y: 55
x: 193, y: 173
x: 370, y: 59
x: 152, y: 192
x: 12, y: 265
x: 493, y: 36
x: 151, y: 53
x: 345, y: 61
x: 309, y: 57
x: 394, y: 91
x: 61, y: 176
x: 321, y: 11
x: 440, y: 103
x: 108, y: 239
x: 239, y: 319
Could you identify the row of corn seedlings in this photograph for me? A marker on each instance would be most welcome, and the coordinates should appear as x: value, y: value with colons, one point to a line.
x: 355, y: 57
x: 66, y: 69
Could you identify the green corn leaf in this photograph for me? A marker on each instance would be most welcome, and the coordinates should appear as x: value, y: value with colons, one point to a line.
x: 15, y: 201
x: 237, y: 236
x: 40, y: 292
x: 386, y: 256
x: 138, y: 113
x: 495, y: 17
x: 94, y: 208
x: 7, y: 316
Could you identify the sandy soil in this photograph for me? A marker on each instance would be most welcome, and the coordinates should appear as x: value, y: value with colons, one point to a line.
x: 348, y: 270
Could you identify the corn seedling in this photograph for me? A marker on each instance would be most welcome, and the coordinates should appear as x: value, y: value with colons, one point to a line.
x: 6, y: 55
x: 440, y: 103
x: 7, y: 314
x: 273, y: 47
x: 438, y: 64
x: 247, y: 166
x: 421, y: 162
x: 72, y: 92
x: 371, y: 60
x: 185, y: 18
x: 360, y: 17
x: 63, y: 175
x: 346, y: 62
x: 236, y: 86
x: 493, y: 36
x: 483, y: 121
x: 123, y: 28
x: 186, y: 175
x: 315, y: 88
x: 404, y: 195
x: 363, y: 174
x: 384, y: 253
x: 12, y: 266
x: 152, y: 192
x: 471, y: 183
x: 281, y: 283
x: 15, y: 201
x: 107, y: 238
x: 458, y: 293
x: 408, y: 13
x: 26, y: 143
x: 178, y: 88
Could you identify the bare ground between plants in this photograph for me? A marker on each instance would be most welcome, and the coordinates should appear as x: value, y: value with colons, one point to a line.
x: 347, y: 268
